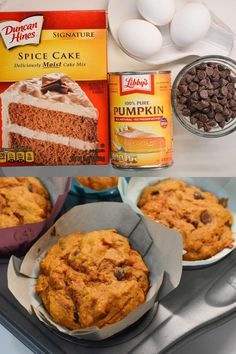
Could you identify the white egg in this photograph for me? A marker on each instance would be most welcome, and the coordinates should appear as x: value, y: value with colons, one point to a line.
x: 158, y: 12
x: 190, y: 24
x: 140, y: 38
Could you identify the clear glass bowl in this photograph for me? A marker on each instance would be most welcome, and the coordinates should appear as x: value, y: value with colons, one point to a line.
x: 217, y: 131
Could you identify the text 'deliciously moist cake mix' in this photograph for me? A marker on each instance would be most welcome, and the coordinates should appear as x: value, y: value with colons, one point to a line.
x: 141, y: 125
x: 53, y: 93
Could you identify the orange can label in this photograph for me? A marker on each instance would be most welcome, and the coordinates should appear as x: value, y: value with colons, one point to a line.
x: 141, y: 119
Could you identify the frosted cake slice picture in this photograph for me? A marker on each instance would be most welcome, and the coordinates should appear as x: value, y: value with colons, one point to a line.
x: 52, y: 116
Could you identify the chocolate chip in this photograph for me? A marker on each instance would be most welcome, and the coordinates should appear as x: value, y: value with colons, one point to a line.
x: 193, y: 120
x: 223, y: 74
x: 219, y: 118
x: 186, y: 112
x: 203, y: 66
x: 222, y: 124
x: 183, y: 99
x: 76, y: 317
x: 219, y: 108
x: 187, y: 93
x: 232, y: 103
x: 223, y: 102
x: 206, y: 110
x: 196, y: 79
x: 195, y: 96
x: 212, y: 65
x: 205, y: 103
x: 226, y: 112
x: 224, y: 202
x: 192, y: 71
x: 233, y: 115
x: 211, y: 114
x: 201, y: 74
x: 209, y: 71
x: 206, y: 127
x: 211, y: 93
x: 205, y: 217
x: 198, y: 196
x: 183, y: 81
x: 30, y: 188
x: 214, y: 99
x: 203, y: 118
x: 203, y: 82
x: 200, y: 125
x: 183, y: 88
x: 155, y: 192
x: 189, y: 78
x: 224, y: 90
x: 215, y: 84
x: 120, y: 274
x: 204, y: 94
x: 193, y: 87
x: 212, y: 123
x: 223, y: 82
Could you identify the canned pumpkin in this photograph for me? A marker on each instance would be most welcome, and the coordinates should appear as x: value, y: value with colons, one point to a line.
x: 141, y: 121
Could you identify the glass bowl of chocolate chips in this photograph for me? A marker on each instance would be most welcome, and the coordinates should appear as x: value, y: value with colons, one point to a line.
x: 204, y: 96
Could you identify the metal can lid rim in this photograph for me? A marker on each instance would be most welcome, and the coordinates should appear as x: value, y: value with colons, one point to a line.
x: 140, y: 72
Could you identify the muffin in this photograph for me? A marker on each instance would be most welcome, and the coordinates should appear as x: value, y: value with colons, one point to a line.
x: 98, y: 183
x: 203, y: 220
x: 23, y: 200
x: 92, y: 279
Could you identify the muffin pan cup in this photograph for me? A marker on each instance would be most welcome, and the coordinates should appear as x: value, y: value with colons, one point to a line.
x: 162, y: 257
x: 222, y: 188
x: 17, y: 240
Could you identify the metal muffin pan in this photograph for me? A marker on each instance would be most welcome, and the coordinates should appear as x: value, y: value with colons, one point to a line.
x: 195, y: 307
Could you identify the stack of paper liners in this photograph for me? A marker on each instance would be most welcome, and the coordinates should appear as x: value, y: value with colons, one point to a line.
x: 53, y: 116
x: 18, y: 239
x: 160, y: 248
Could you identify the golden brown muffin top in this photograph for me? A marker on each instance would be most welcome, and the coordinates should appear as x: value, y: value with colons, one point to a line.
x: 98, y: 183
x: 203, y: 220
x: 92, y: 279
x: 23, y: 200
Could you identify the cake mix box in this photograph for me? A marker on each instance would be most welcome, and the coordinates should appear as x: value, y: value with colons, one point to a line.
x: 53, y: 88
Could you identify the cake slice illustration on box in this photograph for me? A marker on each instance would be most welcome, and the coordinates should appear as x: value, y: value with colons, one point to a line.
x: 53, y: 116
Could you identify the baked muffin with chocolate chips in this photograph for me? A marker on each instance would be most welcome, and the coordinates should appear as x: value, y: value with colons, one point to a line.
x: 203, y: 220
x: 23, y: 200
x: 92, y: 279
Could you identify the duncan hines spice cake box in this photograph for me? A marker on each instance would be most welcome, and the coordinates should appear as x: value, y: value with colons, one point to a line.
x: 53, y: 88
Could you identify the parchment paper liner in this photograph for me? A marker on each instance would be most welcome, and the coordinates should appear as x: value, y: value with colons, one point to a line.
x: 162, y: 254
x: 221, y: 187
x: 18, y: 239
